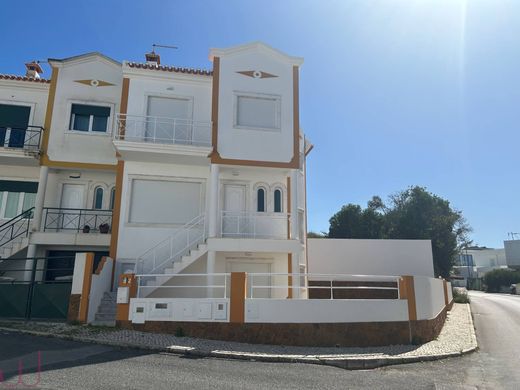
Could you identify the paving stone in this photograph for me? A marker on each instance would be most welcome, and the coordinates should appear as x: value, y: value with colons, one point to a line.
x: 456, y: 337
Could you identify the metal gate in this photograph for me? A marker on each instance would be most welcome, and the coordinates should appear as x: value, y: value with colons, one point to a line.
x: 35, y: 288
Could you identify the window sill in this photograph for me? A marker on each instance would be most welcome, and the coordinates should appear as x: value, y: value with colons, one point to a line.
x: 89, y: 133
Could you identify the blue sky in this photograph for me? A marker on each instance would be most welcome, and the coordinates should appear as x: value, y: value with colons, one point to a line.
x: 393, y: 92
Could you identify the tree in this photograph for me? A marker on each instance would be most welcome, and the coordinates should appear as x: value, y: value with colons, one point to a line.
x: 353, y: 222
x: 316, y: 235
x: 418, y: 214
x: 414, y: 213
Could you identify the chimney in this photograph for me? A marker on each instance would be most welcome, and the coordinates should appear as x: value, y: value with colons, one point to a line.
x: 33, y: 70
x: 153, y: 58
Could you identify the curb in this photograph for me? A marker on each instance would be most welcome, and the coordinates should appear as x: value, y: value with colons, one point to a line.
x: 349, y: 363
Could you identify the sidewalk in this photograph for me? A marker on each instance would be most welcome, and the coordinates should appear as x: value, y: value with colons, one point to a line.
x: 456, y: 338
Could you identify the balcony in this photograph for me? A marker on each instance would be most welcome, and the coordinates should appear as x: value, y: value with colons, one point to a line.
x: 77, y: 220
x: 20, y: 143
x: 159, y: 139
x: 77, y: 227
x: 244, y: 224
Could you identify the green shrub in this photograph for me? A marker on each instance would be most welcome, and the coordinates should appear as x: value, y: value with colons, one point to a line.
x: 500, y: 278
x: 460, y: 296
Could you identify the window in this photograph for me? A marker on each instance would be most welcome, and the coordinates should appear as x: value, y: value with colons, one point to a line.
x: 277, y: 201
x: 14, y: 203
x: 112, y: 198
x: 165, y: 202
x: 260, y: 200
x: 259, y: 111
x: 89, y: 118
x: 98, y: 198
x: 11, y: 206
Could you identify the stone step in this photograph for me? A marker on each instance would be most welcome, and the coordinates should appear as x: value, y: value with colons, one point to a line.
x: 105, y: 317
x: 107, y: 310
x: 111, y: 323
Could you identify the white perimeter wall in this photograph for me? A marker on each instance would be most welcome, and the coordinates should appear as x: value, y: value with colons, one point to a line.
x: 323, y: 310
x: 370, y: 257
x: 429, y: 297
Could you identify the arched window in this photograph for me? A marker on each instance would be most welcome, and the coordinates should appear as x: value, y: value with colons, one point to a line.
x: 112, y: 198
x: 260, y: 200
x: 98, y: 198
x: 277, y: 200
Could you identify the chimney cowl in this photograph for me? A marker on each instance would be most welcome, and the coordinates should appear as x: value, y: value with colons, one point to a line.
x: 153, y: 58
x: 33, y: 69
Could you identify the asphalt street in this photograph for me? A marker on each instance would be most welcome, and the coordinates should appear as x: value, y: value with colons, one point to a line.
x: 72, y: 365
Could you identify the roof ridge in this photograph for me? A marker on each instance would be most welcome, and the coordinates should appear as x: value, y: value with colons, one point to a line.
x: 22, y: 78
x: 170, y: 68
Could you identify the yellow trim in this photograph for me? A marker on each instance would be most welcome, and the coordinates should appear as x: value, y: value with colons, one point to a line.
x: 48, y: 113
x: 44, y: 160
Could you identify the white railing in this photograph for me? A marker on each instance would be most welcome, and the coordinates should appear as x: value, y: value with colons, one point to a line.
x: 259, y: 285
x: 254, y: 225
x: 161, y: 130
x: 262, y: 283
x: 172, y: 249
x: 201, y: 285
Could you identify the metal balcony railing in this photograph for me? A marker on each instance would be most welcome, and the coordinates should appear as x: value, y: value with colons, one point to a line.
x: 16, y: 227
x: 27, y: 138
x: 247, y: 224
x: 160, y: 130
x: 78, y: 220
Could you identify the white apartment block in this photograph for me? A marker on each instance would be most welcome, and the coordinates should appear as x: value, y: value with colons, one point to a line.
x: 166, y: 169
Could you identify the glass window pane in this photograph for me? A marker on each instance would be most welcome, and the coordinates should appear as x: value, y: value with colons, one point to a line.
x: 100, y: 124
x: 277, y: 201
x: 112, y: 198
x: 80, y: 122
x: 260, y: 200
x: 11, y: 207
x: 98, y: 198
x: 28, y: 201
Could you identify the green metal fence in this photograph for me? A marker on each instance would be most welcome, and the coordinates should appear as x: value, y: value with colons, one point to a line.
x: 29, y: 290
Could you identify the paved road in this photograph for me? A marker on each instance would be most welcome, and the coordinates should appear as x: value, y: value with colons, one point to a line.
x: 72, y: 365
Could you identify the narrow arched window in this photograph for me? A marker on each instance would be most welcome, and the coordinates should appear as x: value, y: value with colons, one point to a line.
x: 277, y: 201
x: 260, y: 200
x: 112, y: 198
x: 98, y: 198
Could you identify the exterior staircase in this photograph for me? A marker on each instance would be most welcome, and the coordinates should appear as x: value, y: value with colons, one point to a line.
x: 14, y: 234
x: 173, y: 255
x: 106, y: 312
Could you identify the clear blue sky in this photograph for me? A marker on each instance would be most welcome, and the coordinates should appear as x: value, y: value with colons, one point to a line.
x: 393, y: 92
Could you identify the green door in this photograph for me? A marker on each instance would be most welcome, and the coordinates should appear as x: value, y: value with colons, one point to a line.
x: 16, y: 118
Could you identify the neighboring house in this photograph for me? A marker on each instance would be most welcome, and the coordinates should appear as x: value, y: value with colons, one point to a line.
x: 512, y: 253
x: 474, y: 262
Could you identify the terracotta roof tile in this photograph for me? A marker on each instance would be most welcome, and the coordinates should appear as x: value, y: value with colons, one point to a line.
x: 202, y: 72
x: 22, y: 78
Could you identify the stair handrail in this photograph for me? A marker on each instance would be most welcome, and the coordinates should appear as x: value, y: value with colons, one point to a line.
x: 173, y: 254
x: 24, y: 216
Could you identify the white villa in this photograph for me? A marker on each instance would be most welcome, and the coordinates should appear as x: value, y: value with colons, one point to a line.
x: 183, y: 181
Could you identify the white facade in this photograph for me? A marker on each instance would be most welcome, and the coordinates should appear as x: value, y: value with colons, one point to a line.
x: 370, y: 257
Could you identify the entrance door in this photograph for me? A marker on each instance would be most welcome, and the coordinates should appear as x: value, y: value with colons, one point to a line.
x: 16, y: 119
x: 234, y: 221
x: 255, y: 281
x: 72, y: 197
x: 168, y: 120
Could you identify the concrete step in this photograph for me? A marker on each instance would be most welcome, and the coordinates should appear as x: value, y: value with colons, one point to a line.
x: 110, y: 323
x: 105, y: 317
x: 107, y: 310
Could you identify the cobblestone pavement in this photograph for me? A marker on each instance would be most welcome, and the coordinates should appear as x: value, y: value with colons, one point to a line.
x: 457, y: 337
